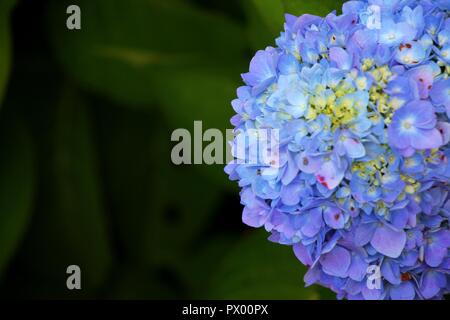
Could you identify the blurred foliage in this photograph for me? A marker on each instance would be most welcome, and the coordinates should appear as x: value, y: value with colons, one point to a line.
x: 258, y: 269
x: 187, y: 45
x: 85, y: 172
x: 70, y: 223
x: 5, y: 46
x: 271, y: 12
x: 16, y: 184
x: 320, y: 8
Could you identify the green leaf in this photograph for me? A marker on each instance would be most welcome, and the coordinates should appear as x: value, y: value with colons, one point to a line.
x: 131, y: 57
x: 138, y: 282
x: 259, y: 32
x: 205, y: 96
x: 17, y: 181
x: 326, y: 294
x: 196, y: 270
x: 70, y: 226
x: 266, y: 17
x: 78, y: 190
x: 159, y: 209
x: 166, y: 53
x: 5, y: 44
x: 199, y: 95
x: 271, y: 12
x: 319, y: 8
x: 259, y: 269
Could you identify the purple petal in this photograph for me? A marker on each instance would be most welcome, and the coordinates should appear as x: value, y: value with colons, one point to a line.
x: 397, y: 138
x: 388, y: 241
x: 309, y: 164
x: 427, y: 139
x: 336, y: 263
x: 353, y: 287
x: 312, y: 276
x: 288, y: 64
x: 439, y: 93
x: 302, y: 254
x: 342, y: 59
x: 358, y: 268
x: 399, y: 218
x: 331, y: 243
x: 423, y: 76
x: 330, y: 175
x: 444, y: 129
x: 290, y: 194
x: 354, y: 148
x: 304, y: 21
x: 391, y: 271
x: 312, y: 223
x: 262, y: 70
x: 404, y: 291
x: 364, y: 233
x: 334, y: 218
x: 371, y: 294
x: 432, y: 282
x: 255, y: 217
x: 435, y: 254
x: 291, y: 170
x: 424, y: 112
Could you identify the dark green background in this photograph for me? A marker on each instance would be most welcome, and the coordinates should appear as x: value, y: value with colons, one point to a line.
x: 85, y: 171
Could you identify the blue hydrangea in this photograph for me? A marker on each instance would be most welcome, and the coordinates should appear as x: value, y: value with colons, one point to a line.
x: 361, y: 102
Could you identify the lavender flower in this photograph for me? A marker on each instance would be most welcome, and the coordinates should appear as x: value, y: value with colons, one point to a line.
x: 363, y: 111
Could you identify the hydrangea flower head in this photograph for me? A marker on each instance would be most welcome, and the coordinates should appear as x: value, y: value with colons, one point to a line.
x: 361, y: 106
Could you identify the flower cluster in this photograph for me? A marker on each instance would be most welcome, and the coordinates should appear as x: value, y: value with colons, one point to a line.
x: 361, y: 101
